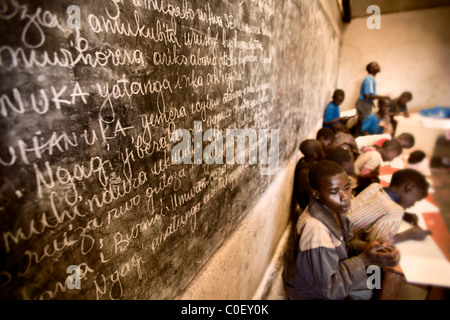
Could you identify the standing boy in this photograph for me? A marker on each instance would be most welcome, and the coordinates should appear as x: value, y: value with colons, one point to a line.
x: 318, y: 266
x: 367, y: 94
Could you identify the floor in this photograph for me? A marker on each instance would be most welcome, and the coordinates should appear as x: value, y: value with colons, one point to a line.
x: 441, y: 184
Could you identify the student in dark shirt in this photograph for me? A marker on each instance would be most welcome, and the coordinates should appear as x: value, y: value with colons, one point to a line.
x: 317, y: 263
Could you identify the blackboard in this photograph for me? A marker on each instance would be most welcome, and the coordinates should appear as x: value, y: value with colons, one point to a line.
x: 87, y: 112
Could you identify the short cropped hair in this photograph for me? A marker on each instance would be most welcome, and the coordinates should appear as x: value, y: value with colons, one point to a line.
x: 326, y: 133
x: 409, y: 137
x: 323, y: 169
x: 416, y: 157
x: 407, y: 94
x: 369, y: 66
x: 393, y: 145
x: 339, y: 155
x: 410, y: 175
x: 338, y: 92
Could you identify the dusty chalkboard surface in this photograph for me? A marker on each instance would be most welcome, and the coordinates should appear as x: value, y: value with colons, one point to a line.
x: 86, y: 117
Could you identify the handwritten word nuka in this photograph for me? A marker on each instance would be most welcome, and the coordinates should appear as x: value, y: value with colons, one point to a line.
x: 125, y: 125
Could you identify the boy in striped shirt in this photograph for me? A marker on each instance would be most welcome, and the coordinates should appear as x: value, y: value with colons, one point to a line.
x: 377, y: 212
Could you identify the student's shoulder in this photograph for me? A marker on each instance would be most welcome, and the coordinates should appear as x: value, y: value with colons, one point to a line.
x: 313, y: 233
x: 371, y: 191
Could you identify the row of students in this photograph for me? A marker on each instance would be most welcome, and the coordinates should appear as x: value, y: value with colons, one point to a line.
x: 345, y: 219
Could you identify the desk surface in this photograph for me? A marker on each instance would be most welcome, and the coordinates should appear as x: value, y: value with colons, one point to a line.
x: 426, y: 122
x: 426, y: 131
x: 428, y: 261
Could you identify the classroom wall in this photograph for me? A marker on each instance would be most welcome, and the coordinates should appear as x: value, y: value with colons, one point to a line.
x: 413, y: 50
x: 249, y: 263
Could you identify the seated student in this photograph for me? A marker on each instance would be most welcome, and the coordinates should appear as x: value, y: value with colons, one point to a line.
x: 417, y: 160
x: 380, y: 122
x: 406, y: 140
x: 371, y: 158
x: 332, y: 113
x: 317, y: 265
x: 312, y: 153
x: 377, y: 212
x: 343, y: 139
x: 398, y: 105
x: 370, y: 140
x: 344, y: 158
x: 368, y: 163
x: 326, y: 138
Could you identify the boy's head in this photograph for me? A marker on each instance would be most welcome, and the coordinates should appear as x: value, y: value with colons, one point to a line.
x: 373, y: 68
x: 312, y: 150
x: 391, y: 149
x: 406, y: 140
x: 384, y: 106
x: 338, y: 97
x: 344, y: 158
x: 404, y: 98
x: 338, y: 127
x: 326, y: 138
x: 416, y: 157
x: 330, y: 186
x: 410, y: 186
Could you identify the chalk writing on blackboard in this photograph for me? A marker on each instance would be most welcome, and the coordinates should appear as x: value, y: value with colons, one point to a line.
x: 94, y: 102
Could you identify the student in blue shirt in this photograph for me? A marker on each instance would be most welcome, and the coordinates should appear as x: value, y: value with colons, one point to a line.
x: 380, y: 122
x: 332, y: 112
x: 368, y: 94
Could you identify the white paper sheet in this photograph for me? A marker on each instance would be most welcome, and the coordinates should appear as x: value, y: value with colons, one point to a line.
x: 348, y: 113
x: 423, y: 262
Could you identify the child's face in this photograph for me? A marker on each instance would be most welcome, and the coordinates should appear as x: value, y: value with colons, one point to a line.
x: 338, y: 98
x: 349, y: 167
x: 405, y: 143
x: 410, y: 196
x: 390, y: 155
x: 384, y: 107
x: 326, y: 143
x: 335, y: 193
x: 404, y: 99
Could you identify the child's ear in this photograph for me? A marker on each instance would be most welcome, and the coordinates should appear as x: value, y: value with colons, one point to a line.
x: 315, y: 194
x: 409, y: 186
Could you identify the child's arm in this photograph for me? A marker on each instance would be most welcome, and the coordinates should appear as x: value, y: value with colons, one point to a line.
x: 414, y: 233
x: 411, y: 218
